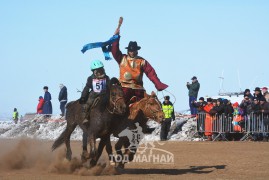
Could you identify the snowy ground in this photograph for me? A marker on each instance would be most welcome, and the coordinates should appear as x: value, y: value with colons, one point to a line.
x: 50, y: 130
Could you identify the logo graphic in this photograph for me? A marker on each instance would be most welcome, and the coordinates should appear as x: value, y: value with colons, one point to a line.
x: 145, y: 151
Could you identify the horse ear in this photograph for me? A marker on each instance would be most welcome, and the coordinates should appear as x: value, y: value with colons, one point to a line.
x: 133, y: 112
x: 153, y: 94
x: 114, y: 81
x: 145, y: 94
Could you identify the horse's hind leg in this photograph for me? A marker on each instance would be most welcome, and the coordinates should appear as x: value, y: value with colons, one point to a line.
x: 93, y: 153
x: 67, y: 141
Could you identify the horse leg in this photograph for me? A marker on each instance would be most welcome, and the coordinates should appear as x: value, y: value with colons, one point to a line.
x: 85, y: 154
x: 67, y: 141
x: 93, y: 153
x: 119, y: 156
x: 109, y: 150
x: 103, y: 142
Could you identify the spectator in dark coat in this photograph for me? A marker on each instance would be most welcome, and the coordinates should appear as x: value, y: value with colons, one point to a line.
x: 257, y: 93
x: 228, y: 108
x: 62, y: 98
x: 265, y: 116
x: 193, y: 93
x: 247, y: 93
x: 47, y: 107
x: 246, y: 105
x: 200, y: 104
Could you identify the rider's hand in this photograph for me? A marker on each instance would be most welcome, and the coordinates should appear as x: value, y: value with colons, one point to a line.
x: 117, y: 32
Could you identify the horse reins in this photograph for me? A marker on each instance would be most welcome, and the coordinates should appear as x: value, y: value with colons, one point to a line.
x: 114, y: 106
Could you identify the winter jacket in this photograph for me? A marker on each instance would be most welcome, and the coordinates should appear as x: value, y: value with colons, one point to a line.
x: 200, y: 106
x: 257, y: 96
x: 168, y: 110
x: 266, y: 95
x: 255, y: 108
x: 217, y: 109
x: 132, y: 70
x: 95, y: 85
x: 228, y: 110
x: 246, y: 106
x: 63, y: 94
x: 47, y: 107
x: 15, y: 115
x: 193, y: 88
x: 265, y: 108
x: 40, y: 106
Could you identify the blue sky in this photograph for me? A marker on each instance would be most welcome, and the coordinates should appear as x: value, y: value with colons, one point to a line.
x: 41, y: 43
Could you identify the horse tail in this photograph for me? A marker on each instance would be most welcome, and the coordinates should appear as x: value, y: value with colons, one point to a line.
x: 60, y: 140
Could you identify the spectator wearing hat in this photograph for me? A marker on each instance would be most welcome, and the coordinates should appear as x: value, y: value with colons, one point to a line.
x: 193, y: 93
x: 47, y: 107
x: 62, y: 98
x: 200, y: 105
x: 246, y: 105
x: 40, y: 104
x: 265, y: 93
x: 132, y: 67
x: 169, y: 115
x: 257, y: 93
x: 247, y: 93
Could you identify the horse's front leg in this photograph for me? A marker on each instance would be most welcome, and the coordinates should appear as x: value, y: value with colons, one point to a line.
x: 119, y: 157
x: 85, y: 155
x: 105, y: 141
x: 93, y: 152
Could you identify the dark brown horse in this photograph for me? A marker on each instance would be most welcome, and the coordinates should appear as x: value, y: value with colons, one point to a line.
x: 147, y: 108
x: 100, y: 120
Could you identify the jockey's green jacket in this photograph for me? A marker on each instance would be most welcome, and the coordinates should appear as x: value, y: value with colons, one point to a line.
x: 168, y: 110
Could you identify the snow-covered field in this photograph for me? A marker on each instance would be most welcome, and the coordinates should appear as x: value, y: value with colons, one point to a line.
x: 50, y: 130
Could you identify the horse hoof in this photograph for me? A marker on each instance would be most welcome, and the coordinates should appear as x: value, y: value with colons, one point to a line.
x: 84, y: 156
x: 120, y: 165
x: 92, y: 163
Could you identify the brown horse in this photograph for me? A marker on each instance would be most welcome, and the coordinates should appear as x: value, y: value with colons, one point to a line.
x: 147, y: 108
x: 100, y: 120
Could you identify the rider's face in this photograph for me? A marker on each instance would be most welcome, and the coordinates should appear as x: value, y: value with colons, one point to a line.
x: 99, y: 73
x: 132, y: 54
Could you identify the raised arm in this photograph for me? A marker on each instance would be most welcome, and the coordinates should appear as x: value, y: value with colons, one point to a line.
x: 117, y: 54
x: 151, y: 74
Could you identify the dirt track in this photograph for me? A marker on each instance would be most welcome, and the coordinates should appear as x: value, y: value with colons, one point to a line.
x: 30, y: 159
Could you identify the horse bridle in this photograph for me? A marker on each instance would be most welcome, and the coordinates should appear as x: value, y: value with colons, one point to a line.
x: 114, y: 105
x: 153, y: 113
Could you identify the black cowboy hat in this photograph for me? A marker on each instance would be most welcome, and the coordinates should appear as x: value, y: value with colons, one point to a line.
x: 257, y: 89
x: 133, y: 46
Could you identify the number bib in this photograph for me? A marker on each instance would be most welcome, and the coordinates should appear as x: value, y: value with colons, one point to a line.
x: 98, y: 85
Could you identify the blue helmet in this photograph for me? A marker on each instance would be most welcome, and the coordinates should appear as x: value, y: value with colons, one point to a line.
x: 96, y: 64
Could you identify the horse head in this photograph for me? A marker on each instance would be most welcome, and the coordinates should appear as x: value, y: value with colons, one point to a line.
x: 150, y: 106
x: 116, y: 98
